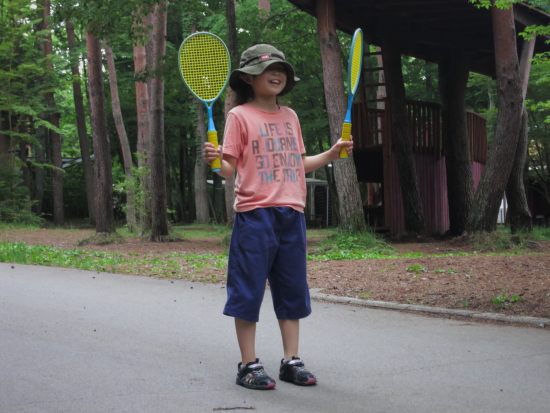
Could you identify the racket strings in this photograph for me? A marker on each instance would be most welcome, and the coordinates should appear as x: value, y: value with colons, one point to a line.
x: 356, y: 60
x: 204, y: 65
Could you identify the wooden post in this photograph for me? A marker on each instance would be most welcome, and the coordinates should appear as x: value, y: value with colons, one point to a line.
x: 527, y: 53
x: 401, y: 136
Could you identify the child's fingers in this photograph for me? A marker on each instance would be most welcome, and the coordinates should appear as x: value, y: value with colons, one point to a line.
x: 342, y: 144
x: 210, y: 153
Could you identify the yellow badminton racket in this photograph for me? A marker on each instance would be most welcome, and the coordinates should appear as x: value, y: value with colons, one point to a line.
x: 354, y: 73
x: 204, y: 66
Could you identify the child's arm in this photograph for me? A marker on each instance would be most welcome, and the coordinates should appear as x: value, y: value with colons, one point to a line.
x: 314, y: 162
x: 228, y: 162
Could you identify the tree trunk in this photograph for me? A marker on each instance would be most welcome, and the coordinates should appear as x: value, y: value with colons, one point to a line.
x: 105, y: 220
x: 519, y: 215
x: 231, y: 22
x: 190, y: 171
x: 22, y: 128
x: 182, y: 152
x: 143, y: 126
x: 232, y: 46
x: 401, y: 136
x: 40, y: 158
x: 350, y: 205
x: 453, y: 79
x: 124, y: 144
x: 230, y: 180
x: 55, y: 139
x: 4, y: 146
x: 81, y: 122
x: 488, y: 197
x: 149, y: 51
x: 157, y: 161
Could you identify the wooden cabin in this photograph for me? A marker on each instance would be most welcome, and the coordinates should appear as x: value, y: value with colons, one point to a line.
x: 430, y: 30
x: 376, y: 163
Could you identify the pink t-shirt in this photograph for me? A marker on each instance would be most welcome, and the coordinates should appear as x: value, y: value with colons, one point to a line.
x: 268, y: 148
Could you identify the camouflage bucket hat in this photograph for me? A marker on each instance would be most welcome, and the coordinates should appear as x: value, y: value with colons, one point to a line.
x: 255, y: 60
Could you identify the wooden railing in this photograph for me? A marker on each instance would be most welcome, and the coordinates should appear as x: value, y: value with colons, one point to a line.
x: 425, y: 126
x: 371, y: 129
x: 477, y: 132
x: 368, y: 126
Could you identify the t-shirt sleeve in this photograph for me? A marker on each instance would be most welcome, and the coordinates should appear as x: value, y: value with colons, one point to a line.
x: 299, y: 135
x: 233, y: 136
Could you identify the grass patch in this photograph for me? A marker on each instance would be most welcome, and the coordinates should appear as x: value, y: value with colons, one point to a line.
x: 496, y: 241
x: 201, y: 231
x: 4, y: 226
x: 539, y: 234
x: 505, y: 300
x: 206, y: 268
x: 350, y: 245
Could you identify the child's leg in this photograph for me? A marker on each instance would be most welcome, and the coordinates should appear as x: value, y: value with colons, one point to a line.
x: 292, y: 367
x: 246, y: 336
x: 290, y: 333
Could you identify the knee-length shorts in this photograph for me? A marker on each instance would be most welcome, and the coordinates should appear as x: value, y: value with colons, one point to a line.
x: 268, y: 244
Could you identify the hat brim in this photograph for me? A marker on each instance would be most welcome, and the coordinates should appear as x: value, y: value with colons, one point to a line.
x: 235, y: 81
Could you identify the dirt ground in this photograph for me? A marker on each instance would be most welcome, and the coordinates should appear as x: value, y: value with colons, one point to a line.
x: 519, y: 283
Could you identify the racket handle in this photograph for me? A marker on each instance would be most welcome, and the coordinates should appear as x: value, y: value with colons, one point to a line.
x: 346, y: 132
x: 216, y: 164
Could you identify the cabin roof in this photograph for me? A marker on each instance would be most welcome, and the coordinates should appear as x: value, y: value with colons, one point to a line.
x: 429, y: 28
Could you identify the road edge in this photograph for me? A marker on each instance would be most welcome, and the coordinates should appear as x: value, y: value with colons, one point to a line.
x: 538, y: 321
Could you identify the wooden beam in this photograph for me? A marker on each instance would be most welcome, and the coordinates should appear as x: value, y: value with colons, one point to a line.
x: 527, y: 53
x: 522, y: 16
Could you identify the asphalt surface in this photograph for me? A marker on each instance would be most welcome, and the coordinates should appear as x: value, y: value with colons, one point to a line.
x: 79, y: 341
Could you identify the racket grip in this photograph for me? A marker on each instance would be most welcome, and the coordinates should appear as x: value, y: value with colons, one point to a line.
x: 346, y: 132
x: 216, y: 164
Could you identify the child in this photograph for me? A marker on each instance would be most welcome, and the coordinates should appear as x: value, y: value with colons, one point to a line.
x: 264, y: 142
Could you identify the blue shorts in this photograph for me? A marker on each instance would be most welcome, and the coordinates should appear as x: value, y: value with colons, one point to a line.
x: 268, y: 244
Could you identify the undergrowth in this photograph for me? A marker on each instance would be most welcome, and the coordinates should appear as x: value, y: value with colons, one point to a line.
x: 348, y: 245
x: 207, y: 268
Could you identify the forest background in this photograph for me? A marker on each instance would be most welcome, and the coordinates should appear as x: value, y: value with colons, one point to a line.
x: 53, y: 52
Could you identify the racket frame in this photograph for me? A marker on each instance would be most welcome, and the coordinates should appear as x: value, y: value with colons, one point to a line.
x: 352, y: 88
x: 215, y: 165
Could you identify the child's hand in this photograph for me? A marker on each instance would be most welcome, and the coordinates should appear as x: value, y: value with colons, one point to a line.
x: 210, y: 153
x: 335, y: 150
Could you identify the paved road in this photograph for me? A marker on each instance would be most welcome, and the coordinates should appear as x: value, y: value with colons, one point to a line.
x: 77, y: 341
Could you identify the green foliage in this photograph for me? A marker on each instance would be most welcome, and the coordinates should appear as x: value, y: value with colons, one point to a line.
x: 74, y: 192
x: 540, y: 233
x: 438, y: 271
x: 501, y: 4
x: 496, y: 241
x: 15, y: 203
x: 23, y: 73
x: 205, y: 268
x: 356, y: 242
x: 504, y: 300
x: 421, y: 79
x: 122, y: 185
x: 416, y: 268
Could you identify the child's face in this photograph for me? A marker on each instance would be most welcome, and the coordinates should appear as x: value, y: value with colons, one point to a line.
x: 271, y: 82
